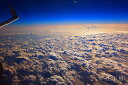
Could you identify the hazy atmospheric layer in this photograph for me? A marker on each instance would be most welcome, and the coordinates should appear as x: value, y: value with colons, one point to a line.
x: 67, y: 29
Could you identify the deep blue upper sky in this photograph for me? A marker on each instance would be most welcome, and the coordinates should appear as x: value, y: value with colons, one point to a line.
x: 67, y: 11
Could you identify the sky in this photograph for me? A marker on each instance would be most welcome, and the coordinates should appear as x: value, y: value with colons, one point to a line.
x: 66, y: 11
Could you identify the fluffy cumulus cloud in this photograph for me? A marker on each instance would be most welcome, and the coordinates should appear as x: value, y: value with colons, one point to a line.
x: 73, y: 60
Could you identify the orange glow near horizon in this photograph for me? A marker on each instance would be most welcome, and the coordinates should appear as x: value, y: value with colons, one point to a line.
x: 70, y: 29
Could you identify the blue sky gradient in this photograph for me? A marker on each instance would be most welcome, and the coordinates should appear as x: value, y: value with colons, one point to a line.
x: 68, y: 12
